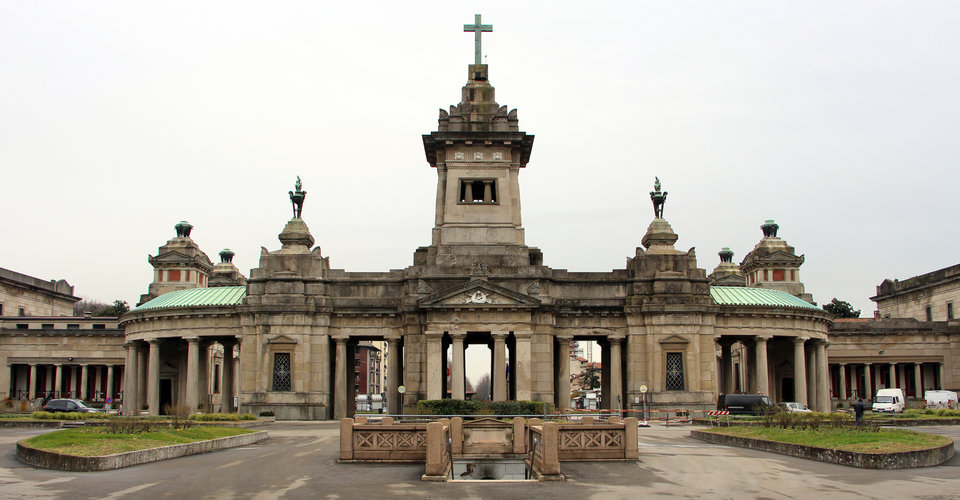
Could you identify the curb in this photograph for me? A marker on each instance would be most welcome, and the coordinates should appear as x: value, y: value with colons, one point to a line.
x: 74, y: 463
x: 901, y: 460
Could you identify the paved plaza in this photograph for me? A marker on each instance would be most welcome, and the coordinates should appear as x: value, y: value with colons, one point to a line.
x: 300, y: 461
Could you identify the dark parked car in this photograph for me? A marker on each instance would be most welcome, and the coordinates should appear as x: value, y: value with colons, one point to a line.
x: 68, y: 405
x: 745, y: 404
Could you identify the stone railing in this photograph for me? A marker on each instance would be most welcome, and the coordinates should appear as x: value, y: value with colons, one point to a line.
x: 590, y: 440
x: 387, y: 441
x: 438, y: 460
x: 542, y: 457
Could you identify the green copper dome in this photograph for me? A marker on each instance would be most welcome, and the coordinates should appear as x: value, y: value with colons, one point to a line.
x: 744, y: 296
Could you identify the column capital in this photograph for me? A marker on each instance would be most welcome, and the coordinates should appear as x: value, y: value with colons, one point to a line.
x: 842, y: 364
x: 458, y: 336
x: 615, y: 340
x: 341, y: 340
x: 153, y: 342
x: 500, y: 335
x: 192, y: 340
x: 564, y: 338
x: 800, y: 340
x: 394, y: 341
x: 761, y: 339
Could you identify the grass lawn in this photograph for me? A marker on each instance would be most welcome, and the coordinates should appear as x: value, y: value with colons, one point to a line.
x: 94, y: 441
x: 882, y: 441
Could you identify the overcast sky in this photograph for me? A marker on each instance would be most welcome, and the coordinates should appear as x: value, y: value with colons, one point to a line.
x: 837, y: 119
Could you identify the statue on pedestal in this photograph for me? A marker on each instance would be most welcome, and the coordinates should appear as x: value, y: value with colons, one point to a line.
x: 296, y: 198
x: 658, y: 198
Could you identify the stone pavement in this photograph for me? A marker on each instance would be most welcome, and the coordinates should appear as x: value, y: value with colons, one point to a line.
x: 299, y: 461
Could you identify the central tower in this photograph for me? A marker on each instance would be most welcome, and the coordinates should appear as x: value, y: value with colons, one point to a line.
x: 478, y: 151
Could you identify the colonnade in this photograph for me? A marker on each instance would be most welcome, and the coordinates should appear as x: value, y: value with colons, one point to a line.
x: 854, y: 380
x: 144, y: 359
x: 85, y: 381
x: 811, y: 382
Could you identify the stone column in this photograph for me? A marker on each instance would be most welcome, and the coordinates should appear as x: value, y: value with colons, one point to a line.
x: 868, y: 382
x: 110, y: 391
x: 192, y: 399
x: 500, y: 366
x: 726, y: 368
x: 434, y: 363
x: 457, y: 390
x: 203, y: 375
x: 799, y: 371
x: 893, y: 375
x: 141, y: 374
x: 393, y: 376
x: 762, y: 376
x: 812, y: 377
x: 153, y: 377
x: 84, y: 381
x: 523, y: 368
x: 340, y: 380
x: 823, y: 378
x: 616, y: 375
x: 130, y: 396
x: 227, y: 376
x: 940, y: 382
x: 918, y: 380
x: 8, y: 381
x: 563, y: 374
x: 843, y: 382
x: 32, y: 383
x: 57, y: 379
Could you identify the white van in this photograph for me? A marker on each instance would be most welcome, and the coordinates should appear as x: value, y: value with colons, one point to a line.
x: 941, y: 399
x: 889, y: 401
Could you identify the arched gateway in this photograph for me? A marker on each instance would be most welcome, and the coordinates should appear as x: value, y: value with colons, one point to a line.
x: 296, y: 322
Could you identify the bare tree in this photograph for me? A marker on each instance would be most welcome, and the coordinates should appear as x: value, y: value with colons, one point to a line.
x: 88, y: 305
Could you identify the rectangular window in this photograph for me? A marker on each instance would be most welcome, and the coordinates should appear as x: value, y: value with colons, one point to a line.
x: 1, y: 309
x: 478, y: 191
x: 929, y: 314
x: 202, y: 277
x: 793, y: 277
x: 22, y: 326
x: 766, y: 275
x: 47, y: 326
x: 949, y: 310
x: 22, y: 312
x: 73, y: 326
x: 159, y: 276
x: 779, y: 275
x: 216, y: 378
x: 281, y: 371
x: 99, y: 326
x: 674, y: 371
x: 173, y: 275
x: 188, y: 276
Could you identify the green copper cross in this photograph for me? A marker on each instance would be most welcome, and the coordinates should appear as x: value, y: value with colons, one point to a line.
x: 477, y: 28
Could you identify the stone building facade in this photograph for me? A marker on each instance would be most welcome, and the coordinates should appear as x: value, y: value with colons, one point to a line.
x: 933, y: 296
x: 290, y: 333
x: 22, y: 295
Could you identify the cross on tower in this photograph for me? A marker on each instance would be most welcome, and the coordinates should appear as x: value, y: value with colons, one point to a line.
x: 477, y: 28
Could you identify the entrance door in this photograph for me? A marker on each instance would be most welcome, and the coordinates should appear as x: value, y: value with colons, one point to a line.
x: 166, y: 395
x: 786, y: 390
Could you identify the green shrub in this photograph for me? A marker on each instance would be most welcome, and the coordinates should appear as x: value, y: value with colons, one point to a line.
x: 222, y: 417
x: 464, y: 407
x: 47, y: 415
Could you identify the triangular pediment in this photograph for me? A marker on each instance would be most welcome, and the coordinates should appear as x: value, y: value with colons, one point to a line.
x: 674, y: 339
x: 780, y: 256
x: 478, y: 293
x: 487, y: 422
x: 172, y: 257
x: 282, y: 339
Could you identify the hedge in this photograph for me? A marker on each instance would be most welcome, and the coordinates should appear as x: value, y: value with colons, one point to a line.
x: 221, y: 417
x: 47, y: 415
x: 466, y: 407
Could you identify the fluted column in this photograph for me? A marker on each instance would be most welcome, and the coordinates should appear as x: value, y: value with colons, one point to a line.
x: 84, y: 379
x: 192, y: 399
x: 393, y: 376
x: 763, y: 380
x: 563, y: 372
x: 918, y: 380
x: 843, y: 382
x: 457, y: 374
x: 57, y: 379
x: 227, y: 376
x: 799, y: 371
x: 340, y: 380
x: 130, y: 397
x: 153, y: 377
x: 499, y: 366
x: 32, y: 383
x: 823, y: 378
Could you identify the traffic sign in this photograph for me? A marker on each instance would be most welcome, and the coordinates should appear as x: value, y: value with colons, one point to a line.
x: 109, y: 401
x: 401, y: 389
x: 643, y: 388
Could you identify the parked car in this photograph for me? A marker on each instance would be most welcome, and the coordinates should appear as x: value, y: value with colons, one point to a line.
x: 68, y: 405
x: 745, y: 404
x: 795, y: 407
x: 941, y: 399
x: 889, y: 401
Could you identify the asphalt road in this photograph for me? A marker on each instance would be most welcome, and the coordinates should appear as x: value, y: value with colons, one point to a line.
x: 299, y: 461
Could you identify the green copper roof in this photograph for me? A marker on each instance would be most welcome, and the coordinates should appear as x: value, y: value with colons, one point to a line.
x: 198, y: 297
x: 744, y: 296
